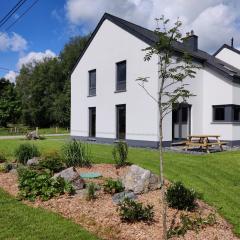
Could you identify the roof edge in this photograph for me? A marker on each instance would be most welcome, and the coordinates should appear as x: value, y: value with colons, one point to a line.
x: 228, y: 47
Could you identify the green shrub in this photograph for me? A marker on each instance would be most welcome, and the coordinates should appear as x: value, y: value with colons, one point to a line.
x: 131, y: 211
x: 52, y: 161
x: 76, y: 153
x: 120, y: 154
x: 33, y: 184
x: 6, y: 167
x: 25, y: 152
x: 111, y: 186
x: 180, y: 197
x: 2, y: 158
x: 91, y: 191
x: 194, y: 223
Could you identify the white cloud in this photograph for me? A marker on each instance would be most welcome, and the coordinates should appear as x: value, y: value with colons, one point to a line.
x: 30, y: 58
x: 11, y: 76
x: 33, y: 57
x: 215, y: 21
x: 12, y: 42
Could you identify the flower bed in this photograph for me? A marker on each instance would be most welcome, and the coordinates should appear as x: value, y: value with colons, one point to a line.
x: 100, y: 216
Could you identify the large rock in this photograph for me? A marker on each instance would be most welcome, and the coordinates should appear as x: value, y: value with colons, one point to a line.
x: 33, y: 161
x: 72, y: 176
x: 140, y: 180
x: 119, y: 197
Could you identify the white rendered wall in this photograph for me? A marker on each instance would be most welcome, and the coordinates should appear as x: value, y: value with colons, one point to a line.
x: 217, y: 91
x: 229, y: 57
x: 111, y: 45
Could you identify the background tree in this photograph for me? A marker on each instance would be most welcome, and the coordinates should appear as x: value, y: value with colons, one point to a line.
x: 9, y: 103
x: 173, y: 69
x: 44, y: 87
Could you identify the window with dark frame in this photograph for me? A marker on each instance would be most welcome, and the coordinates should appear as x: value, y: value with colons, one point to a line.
x: 121, y: 76
x: 92, y: 122
x: 226, y: 113
x: 92, y: 82
x: 236, y: 113
x: 121, y: 121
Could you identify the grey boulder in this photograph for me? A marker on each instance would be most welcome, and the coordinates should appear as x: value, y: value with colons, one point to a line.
x: 72, y: 176
x: 33, y: 161
x: 119, y: 197
x: 140, y: 180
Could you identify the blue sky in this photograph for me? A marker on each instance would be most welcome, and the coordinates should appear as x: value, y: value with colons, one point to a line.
x: 40, y: 27
x: 45, y: 29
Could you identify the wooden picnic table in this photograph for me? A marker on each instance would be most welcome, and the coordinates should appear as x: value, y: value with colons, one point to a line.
x: 204, y: 142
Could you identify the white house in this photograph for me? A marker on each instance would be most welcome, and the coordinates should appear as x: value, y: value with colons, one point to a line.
x: 107, y: 103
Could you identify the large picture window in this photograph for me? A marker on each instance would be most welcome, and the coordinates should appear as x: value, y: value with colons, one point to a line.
x: 226, y: 113
x: 121, y: 76
x: 92, y: 83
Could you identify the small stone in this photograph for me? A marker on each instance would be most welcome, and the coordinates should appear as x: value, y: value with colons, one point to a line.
x: 119, y: 197
x: 13, y: 171
x: 72, y: 176
x: 33, y: 161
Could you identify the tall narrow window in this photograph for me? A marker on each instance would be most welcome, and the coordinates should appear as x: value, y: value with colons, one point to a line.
x: 121, y: 76
x: 92, y: 83
x: 121, y: 121
x: 92, y: 122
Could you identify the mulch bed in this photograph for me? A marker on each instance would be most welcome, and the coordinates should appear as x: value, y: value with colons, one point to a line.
x: 101, y: 218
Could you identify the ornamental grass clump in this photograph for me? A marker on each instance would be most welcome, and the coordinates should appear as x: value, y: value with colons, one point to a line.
x: 120, y: 154
x: 180, y: 197
x: 77, y: 154
x: 91, y: 191
x: 25, y: 152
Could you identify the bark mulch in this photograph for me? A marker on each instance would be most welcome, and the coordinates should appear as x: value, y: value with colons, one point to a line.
x: 100, y: 216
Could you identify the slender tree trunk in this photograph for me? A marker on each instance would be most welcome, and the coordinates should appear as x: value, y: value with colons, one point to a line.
x: 164, y: 205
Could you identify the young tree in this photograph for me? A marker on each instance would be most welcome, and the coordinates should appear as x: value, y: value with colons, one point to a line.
x: 173, y: 69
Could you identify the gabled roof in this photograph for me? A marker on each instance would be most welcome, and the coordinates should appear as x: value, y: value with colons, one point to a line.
x: 150, y: 38
x: 228, y: 47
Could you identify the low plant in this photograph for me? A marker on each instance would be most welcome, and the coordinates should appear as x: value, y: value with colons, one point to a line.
x: 77, y: 154
x: 25, y: 152
x: 194, y: 223
x: 5, y: 167
x: 113, y: 186
x: 180, y: 197
x: 132, y: 211
x: 120, y: 154
x: 2, y: 158
x: 33, y: 184
x: 91, y: 191
x: 52, y: 161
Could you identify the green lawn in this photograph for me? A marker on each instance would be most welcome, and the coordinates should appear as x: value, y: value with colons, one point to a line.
x: 216, y: 175
x: 23, y: 130
x: 21, y: 222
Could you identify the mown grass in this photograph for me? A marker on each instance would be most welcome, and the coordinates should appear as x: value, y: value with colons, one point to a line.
x: 21, y: 222
x: 22, y: 131
x: 215, y: 175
